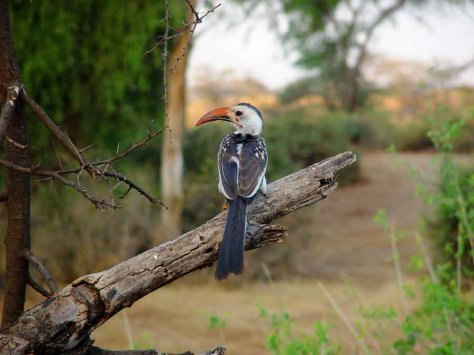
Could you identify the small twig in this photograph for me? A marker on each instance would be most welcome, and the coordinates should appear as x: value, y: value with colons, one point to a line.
x: 15, y: 144
x: 126, y: 193
x: 3, y: 196
x: 57, y: 133
x: 8, y: 108
x: 184, y: 28
x: 37, y: 287
x: 427, y: 258
x: 198, y: 20
x: 98, y: 203
x: 38, y: 265
x: 398, y: 268
x: 134, y: 186
x: 150, y: 135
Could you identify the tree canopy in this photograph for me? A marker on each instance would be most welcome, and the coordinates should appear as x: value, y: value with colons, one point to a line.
x: 83, y: 62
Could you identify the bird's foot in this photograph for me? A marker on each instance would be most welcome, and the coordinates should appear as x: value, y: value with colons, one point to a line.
x: 225, y: 206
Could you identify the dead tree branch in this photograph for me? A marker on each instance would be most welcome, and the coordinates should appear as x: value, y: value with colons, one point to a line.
x: 64, y: 322
x: 132, y: 185
x: 38, y: 288
x: 8, y: 108
x: 100, y: 169
x: 97, y: 351
x: 43, y: 271
x: 97, y: 202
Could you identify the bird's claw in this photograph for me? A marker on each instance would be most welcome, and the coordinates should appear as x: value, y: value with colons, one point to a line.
x: 225, y: 206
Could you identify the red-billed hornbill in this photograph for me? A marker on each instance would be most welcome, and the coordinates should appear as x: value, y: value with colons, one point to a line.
x: 241, y: 161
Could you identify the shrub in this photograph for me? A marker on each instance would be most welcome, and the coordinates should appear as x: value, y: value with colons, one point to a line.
x: 283, y: 339
x: 297, y: 138
x: 453, y: 224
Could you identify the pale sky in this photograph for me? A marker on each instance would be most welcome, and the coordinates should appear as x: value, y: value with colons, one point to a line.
x: 251, y: 49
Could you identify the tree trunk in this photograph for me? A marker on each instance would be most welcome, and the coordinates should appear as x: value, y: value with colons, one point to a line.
x: 352, y: 90
x: 172, y: 150
x: 18, y: 185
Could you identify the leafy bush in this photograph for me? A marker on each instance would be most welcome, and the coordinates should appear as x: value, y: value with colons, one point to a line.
x: 412, y: 136
x: 453, y: 222
x: 282, y: 339
x: 296, y: 139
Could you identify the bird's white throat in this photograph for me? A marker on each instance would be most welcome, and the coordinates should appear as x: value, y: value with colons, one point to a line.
x: 252, y: 125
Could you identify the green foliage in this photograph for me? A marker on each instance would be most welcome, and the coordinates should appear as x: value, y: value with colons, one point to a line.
x: 283, y: 340
x: 453, y: 222
x: 143, y: 343
x: 83, y: 62
x: 412, y: 136
x: 296, y: 139
x: 216, y: 322
x: 442, y: 324
x: 298, y: 89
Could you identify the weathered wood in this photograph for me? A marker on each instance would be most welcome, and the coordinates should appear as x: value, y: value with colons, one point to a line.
x: 98, y: 351
x: 62, y: 322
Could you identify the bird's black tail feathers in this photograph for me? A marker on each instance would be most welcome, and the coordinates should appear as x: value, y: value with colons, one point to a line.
x: 231, y: 252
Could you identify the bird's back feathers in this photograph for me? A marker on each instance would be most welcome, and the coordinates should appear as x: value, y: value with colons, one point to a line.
x: 246, y: 154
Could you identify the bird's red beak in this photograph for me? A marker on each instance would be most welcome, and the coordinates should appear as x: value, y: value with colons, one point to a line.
x: 219, y: 114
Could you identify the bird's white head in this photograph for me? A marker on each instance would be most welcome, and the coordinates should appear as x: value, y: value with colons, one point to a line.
x: 245, y: 117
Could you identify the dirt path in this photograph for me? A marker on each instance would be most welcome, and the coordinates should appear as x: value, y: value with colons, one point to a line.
x: 344, y: 244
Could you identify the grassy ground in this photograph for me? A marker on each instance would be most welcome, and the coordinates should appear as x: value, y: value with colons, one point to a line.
x: 347, y: 252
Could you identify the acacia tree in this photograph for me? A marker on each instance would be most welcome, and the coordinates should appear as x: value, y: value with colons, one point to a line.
x: 337, y: 52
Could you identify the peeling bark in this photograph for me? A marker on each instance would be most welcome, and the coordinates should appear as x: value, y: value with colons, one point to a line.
x: 63, y: 322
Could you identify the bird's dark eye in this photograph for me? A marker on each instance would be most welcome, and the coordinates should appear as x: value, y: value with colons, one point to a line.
x: 238, y: 113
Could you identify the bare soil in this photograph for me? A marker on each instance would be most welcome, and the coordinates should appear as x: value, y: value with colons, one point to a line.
x: 347, y: 252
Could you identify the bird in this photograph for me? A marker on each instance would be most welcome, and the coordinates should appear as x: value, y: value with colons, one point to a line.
x: 242, y: 162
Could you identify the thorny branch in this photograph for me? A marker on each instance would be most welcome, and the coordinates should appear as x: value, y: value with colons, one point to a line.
x: 97, y: 202
x: 132, y: 185
x: 187, y: 27
x: 57, y: 133
x: 43, y: 271
x: 97, y: 169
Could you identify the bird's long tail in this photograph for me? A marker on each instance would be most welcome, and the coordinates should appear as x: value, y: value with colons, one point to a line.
x: 231, y: 252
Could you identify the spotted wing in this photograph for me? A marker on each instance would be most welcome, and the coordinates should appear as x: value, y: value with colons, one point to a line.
x: 228, y: 165
x: 242, y: 164
x: 253, y: 164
